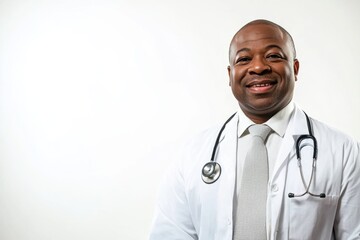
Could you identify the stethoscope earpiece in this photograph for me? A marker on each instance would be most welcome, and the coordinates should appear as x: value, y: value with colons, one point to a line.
x: 321, y: 195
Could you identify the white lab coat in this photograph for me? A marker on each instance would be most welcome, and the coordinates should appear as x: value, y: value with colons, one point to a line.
x: 189, y: 209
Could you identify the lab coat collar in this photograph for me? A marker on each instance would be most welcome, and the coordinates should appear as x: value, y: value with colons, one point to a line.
x: 296, y: 127
x: 299, y: 123
x: 280, y: 120
x: 296, y: 124
x: 231, y: 127
x: 278, y: 123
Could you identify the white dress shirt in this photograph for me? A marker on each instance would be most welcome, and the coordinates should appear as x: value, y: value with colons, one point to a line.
x: 278, y: 123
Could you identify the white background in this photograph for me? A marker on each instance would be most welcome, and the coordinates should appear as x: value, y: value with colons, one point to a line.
x: 93, y: 93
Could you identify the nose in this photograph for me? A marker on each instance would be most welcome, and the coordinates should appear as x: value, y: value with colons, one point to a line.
x: 259, y: 66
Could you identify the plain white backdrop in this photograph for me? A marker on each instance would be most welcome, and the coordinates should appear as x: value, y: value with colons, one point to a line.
x: 94, y: 93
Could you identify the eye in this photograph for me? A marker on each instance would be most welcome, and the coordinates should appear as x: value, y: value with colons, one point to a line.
x: 243, y: 60
x: 274, y: 56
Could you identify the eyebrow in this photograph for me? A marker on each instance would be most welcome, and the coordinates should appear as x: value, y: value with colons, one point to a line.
x: 266, y: 48
x: 242, y: 50
x: 274, y: 46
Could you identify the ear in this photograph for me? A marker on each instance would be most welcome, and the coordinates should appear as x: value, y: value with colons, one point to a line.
x: 296, y: 68
x: 229, y: 73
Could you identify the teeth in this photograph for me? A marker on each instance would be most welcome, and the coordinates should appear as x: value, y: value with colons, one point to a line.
x: 262, y: 85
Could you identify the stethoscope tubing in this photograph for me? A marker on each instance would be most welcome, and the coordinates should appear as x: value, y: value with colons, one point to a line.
x: 211, y: 171
x: 218, y: 138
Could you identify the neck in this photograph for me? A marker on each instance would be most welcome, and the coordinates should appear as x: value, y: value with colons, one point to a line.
x: 259, y: 118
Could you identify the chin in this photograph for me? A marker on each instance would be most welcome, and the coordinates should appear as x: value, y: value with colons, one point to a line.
x: 268, y: 108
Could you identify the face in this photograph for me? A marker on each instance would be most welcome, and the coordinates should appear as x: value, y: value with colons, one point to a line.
x: 262, y: 71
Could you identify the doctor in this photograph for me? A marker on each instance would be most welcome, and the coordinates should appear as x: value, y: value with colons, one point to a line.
x: 262, y: 74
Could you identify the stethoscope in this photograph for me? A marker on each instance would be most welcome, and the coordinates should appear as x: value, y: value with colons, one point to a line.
x: 212, y: 170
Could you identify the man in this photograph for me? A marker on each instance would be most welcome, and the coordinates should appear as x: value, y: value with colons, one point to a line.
x: 295, y: 201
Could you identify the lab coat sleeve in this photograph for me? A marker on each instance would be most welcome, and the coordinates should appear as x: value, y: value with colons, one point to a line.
x: 347, y: 222
x: 172, y: 219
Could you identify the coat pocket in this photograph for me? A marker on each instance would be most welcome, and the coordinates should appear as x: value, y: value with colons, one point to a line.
x: 312, y: 217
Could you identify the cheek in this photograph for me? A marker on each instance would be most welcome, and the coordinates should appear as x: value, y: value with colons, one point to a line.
x: 232, y: 76
x: 236, y: 75
x: 287, y: 76
x: 288, y: 82
x: 289, y: 72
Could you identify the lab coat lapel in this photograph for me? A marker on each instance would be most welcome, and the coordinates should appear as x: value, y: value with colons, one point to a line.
x: 297, y: 126
x: 227, y: 159
x: 217, y: 203
x: 227, y: 152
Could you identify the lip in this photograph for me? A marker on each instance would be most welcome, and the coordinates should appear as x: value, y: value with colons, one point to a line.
x: 261, y: 86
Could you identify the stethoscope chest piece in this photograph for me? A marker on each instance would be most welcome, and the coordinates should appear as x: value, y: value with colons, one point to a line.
x: 211, y: 172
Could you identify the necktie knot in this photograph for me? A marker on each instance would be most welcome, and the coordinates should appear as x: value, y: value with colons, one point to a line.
x: 260, y: 130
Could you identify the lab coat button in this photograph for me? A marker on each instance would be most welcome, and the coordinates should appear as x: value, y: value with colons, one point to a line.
x: 275, y: 188
x: 228, y: 221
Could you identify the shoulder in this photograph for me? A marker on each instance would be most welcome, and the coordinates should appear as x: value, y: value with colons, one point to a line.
x: 337, y: 143
x: 324, y: 131
x: 197, y: 150
x: 205, y: 140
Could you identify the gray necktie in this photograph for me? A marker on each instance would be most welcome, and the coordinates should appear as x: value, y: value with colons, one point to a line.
x: 250, y: 219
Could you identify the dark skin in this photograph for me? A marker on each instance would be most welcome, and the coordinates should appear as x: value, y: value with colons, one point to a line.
x: 262, y: 70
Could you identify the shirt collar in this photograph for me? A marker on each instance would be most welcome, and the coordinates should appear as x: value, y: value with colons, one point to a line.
x: 278, y: 123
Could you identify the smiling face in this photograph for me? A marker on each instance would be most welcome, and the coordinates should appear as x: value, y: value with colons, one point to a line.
x: 263, y: 70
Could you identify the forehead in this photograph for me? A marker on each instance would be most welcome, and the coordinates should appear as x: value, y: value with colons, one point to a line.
x: 259, y: 35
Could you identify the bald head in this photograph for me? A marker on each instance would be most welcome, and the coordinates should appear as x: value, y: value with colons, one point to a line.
x: 283, y: 31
